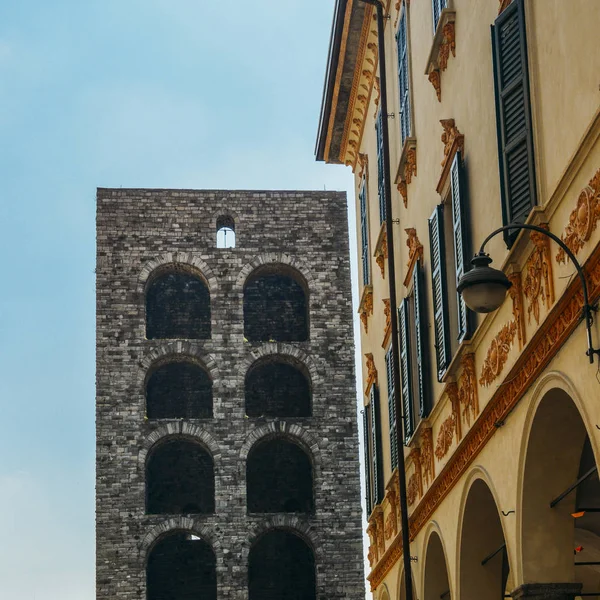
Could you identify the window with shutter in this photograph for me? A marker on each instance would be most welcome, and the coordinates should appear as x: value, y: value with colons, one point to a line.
x: 462, y: 250
x: 368, y: 470
x: 376, y: 459
x: 421, y: 353
x: 364, y: 231
x: 389, y: 369
x: 380, y: 169
x: 406, y: 368
x: 403, y: 81
x: 437, y: 8
x: 513, y: 116
x: 439, y: 286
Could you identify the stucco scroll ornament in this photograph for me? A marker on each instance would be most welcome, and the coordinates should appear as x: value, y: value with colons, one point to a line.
x: 415, y: 456
x: 583, y: 220
x: 387, y: 311
x: 363, y: 161
x: 381, y: 250
x: 539, y: 286
x: 436, y: 82
x: 403, y: 192
x: 427, y: 455
x: 377, y: 86
x: 467, y: 388
x: 371, y: 373
x: 415, y: 252
x: 516, y: 294
x: 366, y: 306
x: 450, y: 136
x: 447, y: 45
x: 410, y: 167
x: 445, y: 437
x: 498, y: 353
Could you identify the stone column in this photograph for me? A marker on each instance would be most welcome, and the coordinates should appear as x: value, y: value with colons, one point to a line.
x: 547, y: 591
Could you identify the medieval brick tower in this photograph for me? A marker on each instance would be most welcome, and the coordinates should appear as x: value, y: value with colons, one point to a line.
x: 226, y: 416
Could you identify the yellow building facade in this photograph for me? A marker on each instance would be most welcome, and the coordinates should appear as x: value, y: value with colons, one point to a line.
x: 493, y: 117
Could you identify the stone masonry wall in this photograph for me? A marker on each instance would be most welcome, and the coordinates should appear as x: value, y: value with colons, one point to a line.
x: 140, y: 231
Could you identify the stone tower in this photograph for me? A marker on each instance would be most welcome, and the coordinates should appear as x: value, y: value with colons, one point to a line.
x: 226, y: 416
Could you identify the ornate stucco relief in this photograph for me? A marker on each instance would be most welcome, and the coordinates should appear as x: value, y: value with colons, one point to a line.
x: 427, y: 462
x: 415, y: 252
x: 371, y: 373
x: 444, y: 44
x: 583, y: 220
x: 497, y: 353
x: 467, y: 389
x: 381, y: 250
x: 387, y: 311
x: 539, y: 285
x: 453, y: 141
x: 365, y: 308
x: 516, y: 294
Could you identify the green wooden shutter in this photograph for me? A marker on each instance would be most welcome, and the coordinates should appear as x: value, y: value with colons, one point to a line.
x: 368, y: 499
x: 438, y: 284
x: 405, y: 369
x: 389, y: 369
x: 462, y: 242
x: 437, y: 6
x: 422, y: 355
x: 364, y: 231
x: 403, y: 82
x: 513, y: 117
x: 380, y: 169
x: 376, y: 457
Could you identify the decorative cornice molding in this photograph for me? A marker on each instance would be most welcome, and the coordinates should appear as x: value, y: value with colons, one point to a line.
x: 415, y: 252
x: 371, y: 373
x: 583, y: 220
x: 453, y: 141
x: 539, y: 284
x: 365, y: 308
x: 467, y: 388
x: 516, y: 294
x: 387, y: 311
x: 497, y: 353
x: 563, y: 319
x: 381, y: 249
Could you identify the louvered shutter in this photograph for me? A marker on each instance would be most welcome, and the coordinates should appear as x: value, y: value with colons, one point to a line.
x: 405, y: 369
x: 438, y: 285
x: 437, y: 7
x: 462, y: 244
x: 422, y: 355
x: 376, y: 458
x: 380, y: 169
x: 389, y: 369
x: 364, y: 232
x: 369, y: 499
x: 513, y: 116
x: 402, y: 42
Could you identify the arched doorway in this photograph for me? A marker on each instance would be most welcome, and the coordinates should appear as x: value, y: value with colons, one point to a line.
x: 484, y: 566
x: 561, y: 498
x: 437, y: 585
x: 281, y: 565
x: 181, y: 565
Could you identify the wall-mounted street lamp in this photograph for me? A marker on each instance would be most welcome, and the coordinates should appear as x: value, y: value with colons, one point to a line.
x: 484, y: 288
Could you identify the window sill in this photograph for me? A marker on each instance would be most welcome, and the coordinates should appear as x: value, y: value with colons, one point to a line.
x: 443, y: 43
x: 407, y: 167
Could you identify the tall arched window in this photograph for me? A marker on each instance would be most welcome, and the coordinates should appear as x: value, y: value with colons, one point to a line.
x: 177, y: 307
x: 277, y: 388
x: 275, y: 305
x: 183, y: 566
x: 225, y: 232
x: 279, y: 478
x: 281, y: 565
x: 180, y: 479
x: 179, y: 390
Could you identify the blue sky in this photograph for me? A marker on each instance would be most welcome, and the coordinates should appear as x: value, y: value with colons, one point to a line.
x: 159, y: 93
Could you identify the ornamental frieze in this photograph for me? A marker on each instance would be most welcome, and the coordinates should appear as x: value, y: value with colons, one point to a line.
x: 412, y: 489
x: 516, y: 294
x: 415, y: 456
x: 445, y: 436
x: 539, y: 285
x: 467, y: 389
x: 497, y: 354
x: 583, y: 220
x: 427, y: 463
